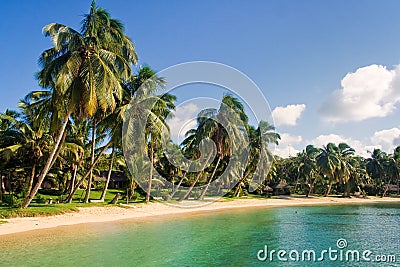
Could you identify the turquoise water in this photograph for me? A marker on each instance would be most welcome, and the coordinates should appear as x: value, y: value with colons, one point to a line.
x: 231, y: 238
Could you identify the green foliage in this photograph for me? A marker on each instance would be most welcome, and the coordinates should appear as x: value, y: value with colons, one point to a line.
x: 12, y: 200
x: 38, y: 210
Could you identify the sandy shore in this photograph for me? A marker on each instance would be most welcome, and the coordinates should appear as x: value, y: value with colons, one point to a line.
x: 142, y: 211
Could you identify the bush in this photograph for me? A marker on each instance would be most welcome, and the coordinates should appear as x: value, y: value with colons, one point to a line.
x: 101, y: 185
x: 12, y: 200
x: 40, y: 199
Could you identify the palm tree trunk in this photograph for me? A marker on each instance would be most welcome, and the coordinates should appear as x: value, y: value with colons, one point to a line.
x: 201, y: 197
x: 311, y: 187
x: 386, y: 188
x: 178, y: 186
x: 31, y: 179
x: 89, y: 186
x: 191, y: 187
x: 239, y: 185
x: 58, y: 149
x: 103, y: 194
x: 150, y: 175
x: 47, y: 166
x: 1, y: 187
x: 195, y: 181
x: 72, y: 186
x: 329, y: 188
x: 80, y: 182
x: 297, y: 182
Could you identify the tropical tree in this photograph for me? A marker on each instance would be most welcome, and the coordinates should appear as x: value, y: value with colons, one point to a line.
x: 30, y: 146
x: 328, y: 161
x: 83, y: 70
x: 307, y: 167
x: 375, y: 166
x: 392, y: 171
x: 223, y: 127
x: 157, y: 131
x: 260, y: 158
x: 345, y: 155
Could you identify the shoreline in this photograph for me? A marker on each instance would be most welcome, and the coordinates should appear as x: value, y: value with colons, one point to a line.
x: 152, y: 210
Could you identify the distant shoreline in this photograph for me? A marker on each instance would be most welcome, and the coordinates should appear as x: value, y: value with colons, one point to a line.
x: 143, y: 211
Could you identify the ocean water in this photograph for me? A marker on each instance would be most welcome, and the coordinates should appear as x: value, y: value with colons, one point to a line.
x: 229, y: 238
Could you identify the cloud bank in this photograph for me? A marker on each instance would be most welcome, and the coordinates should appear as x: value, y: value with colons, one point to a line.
x: 369, y: 92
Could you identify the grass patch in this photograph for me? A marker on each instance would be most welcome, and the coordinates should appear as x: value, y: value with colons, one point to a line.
x: 36, y: 210
x: 2, y: 222
x: 39, y: 207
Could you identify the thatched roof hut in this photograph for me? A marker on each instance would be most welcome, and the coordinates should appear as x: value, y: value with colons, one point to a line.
x: 267, y: 188
x: 393, y: 188
x: 282, y: 188
x: 117, y: 180
x: 281, y: 185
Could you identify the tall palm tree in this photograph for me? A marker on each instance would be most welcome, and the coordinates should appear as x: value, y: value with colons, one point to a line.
x: 392, y: 171
x: 84, y: 71
x: 157, y: 131
x: 228, y: 117
x: 141, y: 87
x: 328, y: 161
x: 376, y: 166
x: 396, y: 156
x: 343, y: 172
x: 260, y: 158
x: 307, y: 166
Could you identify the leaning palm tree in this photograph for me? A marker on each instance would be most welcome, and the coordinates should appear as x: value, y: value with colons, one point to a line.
x: 138, y: 92
x: 84, y: 70
x: 226, y: 130
x: 260, y: 157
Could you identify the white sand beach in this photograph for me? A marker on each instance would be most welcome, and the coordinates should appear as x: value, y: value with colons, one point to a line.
x: 142, y: 211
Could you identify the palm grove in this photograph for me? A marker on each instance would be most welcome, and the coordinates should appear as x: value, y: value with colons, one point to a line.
x: 71, y: 128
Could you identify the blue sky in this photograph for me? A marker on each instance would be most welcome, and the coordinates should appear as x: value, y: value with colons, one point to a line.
x: 333, y: 62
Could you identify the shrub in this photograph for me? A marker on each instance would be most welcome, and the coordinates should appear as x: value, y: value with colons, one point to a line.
x: 12, y: 200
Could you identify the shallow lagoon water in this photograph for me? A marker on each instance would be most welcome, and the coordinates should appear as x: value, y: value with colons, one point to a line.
x: 229, y: 238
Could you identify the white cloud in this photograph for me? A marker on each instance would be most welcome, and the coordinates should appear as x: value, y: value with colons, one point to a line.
x: 387, y: 139
x: 184, y: 119
x: 287, y: 145
x: 287, y: 115
x: 369, y: 92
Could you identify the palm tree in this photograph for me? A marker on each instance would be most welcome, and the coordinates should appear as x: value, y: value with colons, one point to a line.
x: 157, y: 131
x: 216, y: 125
x: 375, y: 166
x: 84, y: 71
x: 307, y: 166
x: 260, y: 158
x: 138, y: 92
x: 328, y: 161
x: 345, y: 155
x: 396, y: 156
x: 392, y: 171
